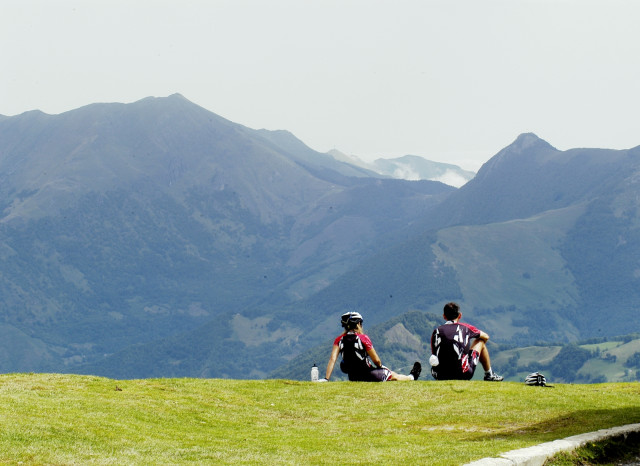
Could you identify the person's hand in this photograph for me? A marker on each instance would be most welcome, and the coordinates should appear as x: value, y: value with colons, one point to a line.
x: 323, y: 380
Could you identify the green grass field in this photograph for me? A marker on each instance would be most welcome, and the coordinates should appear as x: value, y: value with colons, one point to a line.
x: 69, y: 419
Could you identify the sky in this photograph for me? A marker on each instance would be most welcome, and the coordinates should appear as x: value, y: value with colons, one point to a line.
x: 451, y: 80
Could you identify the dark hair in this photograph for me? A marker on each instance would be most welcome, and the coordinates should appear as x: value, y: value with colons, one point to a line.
x: 351, y: 326
x: 451, y: 311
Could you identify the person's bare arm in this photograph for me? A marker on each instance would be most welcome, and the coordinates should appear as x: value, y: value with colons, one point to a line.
x: 374, y: 357
x: 332, y: 361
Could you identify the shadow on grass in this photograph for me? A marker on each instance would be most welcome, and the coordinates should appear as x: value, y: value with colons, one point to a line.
x: 574, y: 423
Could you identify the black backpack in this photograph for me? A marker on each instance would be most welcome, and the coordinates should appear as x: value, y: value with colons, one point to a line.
x: 354, y: 355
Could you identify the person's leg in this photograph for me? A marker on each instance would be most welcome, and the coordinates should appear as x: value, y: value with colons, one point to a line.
x: 382, y: 374
x: 413, y: 375
x: 481, y: 348
x: 485, y: 360
x: 401, y: 377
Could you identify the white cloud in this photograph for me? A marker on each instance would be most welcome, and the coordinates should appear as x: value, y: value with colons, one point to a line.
x: 405, y: 172
x: 452, y: 179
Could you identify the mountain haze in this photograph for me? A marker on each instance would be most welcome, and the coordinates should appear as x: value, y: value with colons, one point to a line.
x: 541, y: 242
x: 122, y: 224
x: 541, y: 246
x: 160, y: 239
x: 410, y: 167
x: 544, y: 264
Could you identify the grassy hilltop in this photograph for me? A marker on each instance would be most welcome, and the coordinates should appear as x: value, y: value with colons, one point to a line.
x: 70, y: 419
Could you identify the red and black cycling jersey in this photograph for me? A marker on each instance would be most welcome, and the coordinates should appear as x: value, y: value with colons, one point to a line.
x: 355, y: 359
x: 450, y: 343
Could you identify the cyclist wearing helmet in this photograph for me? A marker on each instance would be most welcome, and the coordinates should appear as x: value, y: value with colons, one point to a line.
x: 359, y: 359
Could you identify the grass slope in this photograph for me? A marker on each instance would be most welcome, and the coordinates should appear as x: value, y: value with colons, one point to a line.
x: 70, y: 419
x: 517, y: 261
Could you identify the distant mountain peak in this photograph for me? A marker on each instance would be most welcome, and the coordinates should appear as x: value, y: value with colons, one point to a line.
x: 175, y: 97
x: 525, y: 143
x: 528, y: 140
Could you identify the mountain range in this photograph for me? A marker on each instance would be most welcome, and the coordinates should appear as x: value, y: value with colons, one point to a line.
x: 159, y: 239
x: 122, y: 224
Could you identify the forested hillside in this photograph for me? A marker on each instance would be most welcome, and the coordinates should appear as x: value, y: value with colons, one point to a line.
x: 121, y: 225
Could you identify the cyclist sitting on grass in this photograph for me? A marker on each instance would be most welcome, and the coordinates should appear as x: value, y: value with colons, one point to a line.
x: 457, y: 347
x: 359, y: 359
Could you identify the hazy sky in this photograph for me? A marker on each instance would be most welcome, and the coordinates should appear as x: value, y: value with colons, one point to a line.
x: 451, y: 80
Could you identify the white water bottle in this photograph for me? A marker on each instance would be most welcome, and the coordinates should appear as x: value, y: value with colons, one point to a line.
x: 314, y: 373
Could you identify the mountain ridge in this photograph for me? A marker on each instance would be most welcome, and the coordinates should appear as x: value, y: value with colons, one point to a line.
x: 125, y: 223
x: 158, y: 238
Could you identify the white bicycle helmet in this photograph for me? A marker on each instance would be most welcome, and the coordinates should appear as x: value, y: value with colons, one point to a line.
x: 536, y: 378
x: 350, y: 319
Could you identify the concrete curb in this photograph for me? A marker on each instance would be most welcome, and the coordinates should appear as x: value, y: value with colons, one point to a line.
x: 537, y: 455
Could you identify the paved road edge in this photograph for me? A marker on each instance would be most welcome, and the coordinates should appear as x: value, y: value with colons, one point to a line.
x: 538, y: 454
